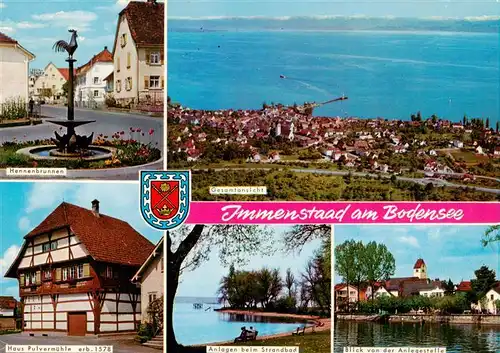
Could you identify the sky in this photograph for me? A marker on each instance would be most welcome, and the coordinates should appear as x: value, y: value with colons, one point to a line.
x: 372, y: 8
x: 204, y: 281
x: 37, y: 25
x: 23, y: 205
x: 449, y: 251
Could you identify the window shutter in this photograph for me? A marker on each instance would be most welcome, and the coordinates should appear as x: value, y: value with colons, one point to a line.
x: 21, y: 280
x: 148, y: 57
x: 128, y: 60
x: 162, y: 82
x: 38, y: 277
x: 58, y: 274
x: 86, y: 270
x: 162, y: 58
x: 117, y: 64
x: 146, y: 82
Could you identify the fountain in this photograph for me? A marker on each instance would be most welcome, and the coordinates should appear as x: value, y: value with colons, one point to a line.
x: 69, y: 145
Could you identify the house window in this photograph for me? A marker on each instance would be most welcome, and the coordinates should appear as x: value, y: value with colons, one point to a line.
x: 123, y: 39
x: 128, y: 83
x: 118, y: 85
x: 154, y: 58
x: 47, y: 274
x: 117, y: 64
x: 492, y: 297
x: 53, y: 86
x: 162, y: 265
x: 96, y: 93
x: 96, y: 80
x: 30, y: 278
x: 73, y: 272
x: 154, y: 81
x: 46, y: 247
x: 152, y: 297
x: 53, y: 245
x: 109, y: 272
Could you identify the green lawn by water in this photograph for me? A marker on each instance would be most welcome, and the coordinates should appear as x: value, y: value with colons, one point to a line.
x: 318, y: 342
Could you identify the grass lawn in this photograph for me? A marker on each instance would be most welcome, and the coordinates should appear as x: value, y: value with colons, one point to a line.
x: 468, y: 157
x: 318, y: 342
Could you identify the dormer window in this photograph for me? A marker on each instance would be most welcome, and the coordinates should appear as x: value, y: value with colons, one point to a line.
x: 154, y: 58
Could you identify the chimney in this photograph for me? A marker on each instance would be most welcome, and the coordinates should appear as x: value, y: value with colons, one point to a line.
x: 95, y: 207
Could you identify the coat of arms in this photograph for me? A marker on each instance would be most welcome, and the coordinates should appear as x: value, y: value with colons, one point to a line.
x: 165, y: 198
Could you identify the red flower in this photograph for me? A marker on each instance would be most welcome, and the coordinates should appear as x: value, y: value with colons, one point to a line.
x: 35, y: 164
x: 151, y: 131
x: 122, y: 132
x: 138, y: 130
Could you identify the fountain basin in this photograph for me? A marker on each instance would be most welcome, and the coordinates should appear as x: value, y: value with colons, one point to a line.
x: 51, y: 152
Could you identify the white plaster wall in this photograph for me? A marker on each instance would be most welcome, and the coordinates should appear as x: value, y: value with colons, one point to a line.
x: 80, y: 306
x: 41, y: 239
x: 108, y: 307
x: 126, y: 326
x: 125, y: 72
x: 152, y: 281
x: 61, y: 326
x: 108, y: 327
x: 13, y: 74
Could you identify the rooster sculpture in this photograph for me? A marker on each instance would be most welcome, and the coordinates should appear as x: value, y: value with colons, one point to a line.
x: 62, y: 46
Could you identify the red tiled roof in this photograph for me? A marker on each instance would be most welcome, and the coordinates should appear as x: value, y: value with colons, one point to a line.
x: 6, y: 39
x: 420, y: 263
x: 106, y: 238
x: 146, y: 21
x: 8, y: 302
x: 104, y: 56
x: 64, y: 73
x: 464, y: 286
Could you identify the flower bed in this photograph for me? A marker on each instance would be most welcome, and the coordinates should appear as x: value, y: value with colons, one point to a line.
x: 134, y: 149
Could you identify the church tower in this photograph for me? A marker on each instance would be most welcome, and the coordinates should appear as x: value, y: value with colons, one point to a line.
x: 420, y: 269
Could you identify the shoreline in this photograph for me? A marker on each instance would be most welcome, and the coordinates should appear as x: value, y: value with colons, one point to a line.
x: 454, y: 319
x: 319, y: 324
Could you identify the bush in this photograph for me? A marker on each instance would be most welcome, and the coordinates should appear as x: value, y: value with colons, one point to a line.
x: 13, y: 109
x: 146, y: 331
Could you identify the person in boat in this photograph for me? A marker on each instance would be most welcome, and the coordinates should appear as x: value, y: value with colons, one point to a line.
x: 282, y: 76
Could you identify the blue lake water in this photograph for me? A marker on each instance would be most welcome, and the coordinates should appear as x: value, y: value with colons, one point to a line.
x: 384, y: 74
x: 197, y: 326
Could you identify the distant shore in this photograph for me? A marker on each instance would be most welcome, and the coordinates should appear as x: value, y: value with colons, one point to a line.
x: 458, y: 319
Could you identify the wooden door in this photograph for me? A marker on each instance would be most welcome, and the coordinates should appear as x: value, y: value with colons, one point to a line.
x: 77, y: 324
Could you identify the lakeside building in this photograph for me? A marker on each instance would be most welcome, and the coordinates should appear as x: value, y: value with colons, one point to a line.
x: 90, y: 86
x: 14, y: 70
x: 418, y: 284
x: 74, y: 272
x: 139, y: 71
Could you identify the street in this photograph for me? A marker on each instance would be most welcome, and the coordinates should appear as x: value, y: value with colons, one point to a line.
x: 120, y: 344
x: 106, y: 123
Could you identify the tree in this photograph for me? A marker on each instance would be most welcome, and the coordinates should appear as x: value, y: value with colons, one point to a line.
x: 317, y: 281
x: 497, y: 127
x: 189, y: 246
x: 347, y: 262
x: 485, y: 279
x: 491, y: 235
x: 290, y: 282
x: 487, y: 123
x: 377, y: 263
x: 268, y: 286
x: 448, y: 286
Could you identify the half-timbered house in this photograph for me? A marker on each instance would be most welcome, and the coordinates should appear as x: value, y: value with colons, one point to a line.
x: 75, y: 269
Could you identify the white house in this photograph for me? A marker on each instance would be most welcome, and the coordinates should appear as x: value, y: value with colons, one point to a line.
x: 74, y: 271
x: 150, y: 278
x: 14, y: 70
x: 491, y: 298
x: 138, y: 53
x: 49, y: 85
x: 90, y: 87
